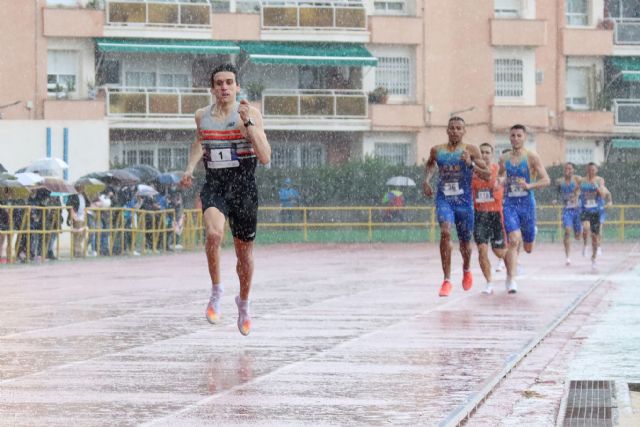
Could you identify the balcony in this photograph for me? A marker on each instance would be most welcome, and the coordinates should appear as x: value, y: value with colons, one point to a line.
x: 305, y: 20
x: 587, y: 42
x: 149, y: 18
x: 68, y: 22
x: 518, y: 32
x: 321, y: 109
x: 627, y: 31
x: 503, y: 117
x: 152, y: 105
x: 592, y: 122
x: 627, y: 112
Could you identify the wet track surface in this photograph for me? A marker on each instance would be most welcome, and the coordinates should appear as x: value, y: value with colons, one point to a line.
x: 342, y: 335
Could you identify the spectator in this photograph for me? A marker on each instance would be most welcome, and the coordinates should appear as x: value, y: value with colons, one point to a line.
x: 78, y: 217
x: 394, y: 199
x: 289, y: 198
x: 4, y: 227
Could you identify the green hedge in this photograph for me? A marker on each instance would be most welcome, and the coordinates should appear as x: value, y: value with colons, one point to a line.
x: 362, y: 183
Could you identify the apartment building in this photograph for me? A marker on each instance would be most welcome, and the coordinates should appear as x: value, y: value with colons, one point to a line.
x: 103, y: 82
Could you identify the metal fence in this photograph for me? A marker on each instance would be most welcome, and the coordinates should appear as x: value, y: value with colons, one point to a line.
x: 34, y: 233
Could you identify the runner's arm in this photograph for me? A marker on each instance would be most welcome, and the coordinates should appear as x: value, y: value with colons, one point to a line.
x: 255, y: 133
x: 478, y: 165
x: 195, y: 153
x: 543, y: 180
x: 430, y: 169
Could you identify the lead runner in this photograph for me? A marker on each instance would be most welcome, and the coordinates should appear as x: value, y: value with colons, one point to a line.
x: 230, y: 137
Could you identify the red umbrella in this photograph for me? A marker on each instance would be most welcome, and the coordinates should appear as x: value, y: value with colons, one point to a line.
x: 57, y: 185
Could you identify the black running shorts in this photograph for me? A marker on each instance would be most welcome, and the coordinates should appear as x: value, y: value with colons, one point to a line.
x: 238, y: 201
x: 488, y: 228
x: 593, y: 218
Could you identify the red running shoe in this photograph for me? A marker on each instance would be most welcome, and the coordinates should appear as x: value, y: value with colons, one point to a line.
x: 445, y: 289
x: 467, y: 280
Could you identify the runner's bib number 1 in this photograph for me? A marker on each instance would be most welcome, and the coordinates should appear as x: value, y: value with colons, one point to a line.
x: 221, y: 158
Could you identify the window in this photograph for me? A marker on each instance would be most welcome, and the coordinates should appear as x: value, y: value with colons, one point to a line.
x: 509, y: 77
x: 390, y: 7
x: 62, y: 66
x: 507, y: 8
x: 577, y: 12
x: 297, y: 155
x: 395, y: 154
x: 394, y: 73
x: 140, y: 79
x: 578, y: 79
x: 174, y: 80
x: 109, y: 72
x: 580, y: 152
x: 168, y: 158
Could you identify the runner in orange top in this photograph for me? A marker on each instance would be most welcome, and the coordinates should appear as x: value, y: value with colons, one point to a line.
x: 487, y: 203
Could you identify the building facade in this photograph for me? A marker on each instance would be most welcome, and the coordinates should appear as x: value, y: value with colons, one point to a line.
x: 116, y: 82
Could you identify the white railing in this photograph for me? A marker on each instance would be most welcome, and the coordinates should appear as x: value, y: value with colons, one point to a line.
x: 304, y: 15
x: 314, y: 103
x: 156, y: 101
x: 233, y: 6
x: 158, y: 13
x: 627, y: 31
x: 627, y: 112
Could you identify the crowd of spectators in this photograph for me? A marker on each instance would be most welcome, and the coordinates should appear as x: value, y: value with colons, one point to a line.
x: 101, y: 224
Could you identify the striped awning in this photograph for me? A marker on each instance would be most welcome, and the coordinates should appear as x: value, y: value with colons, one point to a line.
x: 211, y: 47
x: 316, y: 54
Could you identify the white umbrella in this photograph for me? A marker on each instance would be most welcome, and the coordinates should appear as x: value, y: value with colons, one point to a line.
x: 146, y: 190
x: 47, y: 166
x: 29, y: 178
x: 401, y: 181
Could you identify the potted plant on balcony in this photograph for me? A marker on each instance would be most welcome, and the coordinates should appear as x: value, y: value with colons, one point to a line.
x: 254, y: 90
x: 379, y: 95
x: 59, y: 91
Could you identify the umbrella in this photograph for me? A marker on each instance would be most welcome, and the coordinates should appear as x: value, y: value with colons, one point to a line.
x: 146, y: 173
x: 29, y: 178
x: 58, y: 186
x: 2, y: 168
x: 401, y: 181
x: 47, y: 166
x: 169, y: 178
x: 115, y: 177
x: 12, y: 190
x: 146, y: 190
x: 92, y: 186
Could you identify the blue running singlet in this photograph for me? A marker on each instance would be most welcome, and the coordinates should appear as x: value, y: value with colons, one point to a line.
x: 454, y: 200
x: 519, y: 203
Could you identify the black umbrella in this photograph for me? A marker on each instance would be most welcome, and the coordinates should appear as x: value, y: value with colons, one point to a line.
x: 115, y: 177
x: 146, y: 173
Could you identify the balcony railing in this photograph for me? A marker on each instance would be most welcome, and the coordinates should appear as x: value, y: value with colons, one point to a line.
x: 321, y: 103
x: 308, y: 14
x: 194, y: 14
x: 627, y: 112
x: 232, y: 6
x: 155, y: 102
x: 627, y: 31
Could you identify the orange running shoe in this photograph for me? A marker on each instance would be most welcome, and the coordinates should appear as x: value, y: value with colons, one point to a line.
x: 467, y: 280
x: 244, y: 320
x: 445, y: 289
x: 213, y: 308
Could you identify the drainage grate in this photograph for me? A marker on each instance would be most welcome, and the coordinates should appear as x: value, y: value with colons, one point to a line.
x: 589, y: 403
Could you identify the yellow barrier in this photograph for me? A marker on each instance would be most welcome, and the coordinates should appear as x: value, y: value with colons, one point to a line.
x: 35, y: 232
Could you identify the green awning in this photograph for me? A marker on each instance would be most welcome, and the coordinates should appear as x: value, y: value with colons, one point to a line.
x: 212, y: 47
x: 626, y: 143
x: 317, y: 54
x: 626, y: 63
x: 631, y: 76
